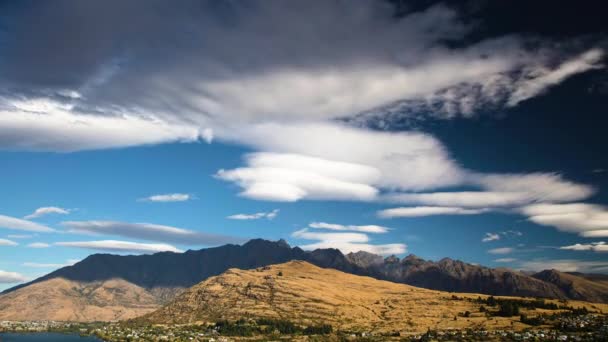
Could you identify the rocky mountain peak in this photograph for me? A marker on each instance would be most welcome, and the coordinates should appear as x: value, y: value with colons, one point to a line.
x: 412, y: 259
x: 365, y: 259
x: 392, y: 260
x: 283, y: 243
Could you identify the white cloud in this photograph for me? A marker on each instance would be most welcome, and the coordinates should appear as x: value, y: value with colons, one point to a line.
x: 176, y: 197
x: 5, y: 242
x: 600, y: 246
x: 120, y: 246
x: 364, y: 229
x: 501, y: 190
x: 331, y: 160
x: 546, y: 77
x: 334, y: 161
x: 565, y: 265
x: 497, y: 236
x: 19, y: 224
x: 21, y: 236
x: 490, y: 237
x: 268, y: 215
x: 501, y: 250
x: 505, y: 260
x: 468, y: 199
x: 150, y: 232
x: 588, y: 220
x: 69, y: 262
x: 595, y: 233
x: 536, y: 186
x: 290, y: 177
x: 39, y: 245
x: 11, y: 277
x: 427, y: 211
x: 347, y: 242
x: 45, y: 211
x: 43, y: 125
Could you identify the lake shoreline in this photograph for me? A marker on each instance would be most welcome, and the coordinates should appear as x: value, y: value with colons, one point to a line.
x: 26, y: 336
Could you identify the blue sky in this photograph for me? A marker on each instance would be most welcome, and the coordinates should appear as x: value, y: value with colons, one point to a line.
x: 136, y: 137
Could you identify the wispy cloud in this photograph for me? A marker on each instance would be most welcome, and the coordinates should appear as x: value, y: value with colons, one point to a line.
x: 120, y: 246
x: 546, y: 78
x: 596, y: 233
x: 149, y: 232
x: 19, y: 224
x: 588, y: 220
x: 353, y: 228
x: 11, y: 277
x: 267, y: 215
x: 599, y: 246
x: 490, y: 237
x: 347, y: 242
x: 46, y: 211
x: 69, y: 262
x: 39, y: 245
x: 505, y: 260
x: 463, y: 199
x: 497, y: 236
x: 5, y: 242
x: 21, y: 236
x: 175, y: 197
x: 501, y: 190
x: 565, y: 265
x: 501, y: 250
x: 427, y: 211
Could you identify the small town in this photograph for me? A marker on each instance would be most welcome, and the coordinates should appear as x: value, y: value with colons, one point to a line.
x: 589, y: 327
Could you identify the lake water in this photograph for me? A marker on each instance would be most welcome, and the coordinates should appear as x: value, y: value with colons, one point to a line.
x: 46, y: 337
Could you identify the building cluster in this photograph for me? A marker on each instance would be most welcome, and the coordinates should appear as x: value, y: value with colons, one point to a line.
x: 566, y: 328
x: 34, y: 326
x: 121, y: 332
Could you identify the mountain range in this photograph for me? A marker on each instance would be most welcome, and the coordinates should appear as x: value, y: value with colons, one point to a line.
x: 104, y: 281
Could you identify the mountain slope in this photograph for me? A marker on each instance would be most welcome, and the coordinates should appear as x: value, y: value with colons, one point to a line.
x: 174, y: 270
x: 305, y: 294
x: 66, y: 300
x: 153, y: 279
x: 593, y: 288
x: 301, y: 292
x: 454, y: 275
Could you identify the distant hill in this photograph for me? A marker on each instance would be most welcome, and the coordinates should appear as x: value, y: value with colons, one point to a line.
x: 67, y: 300
x: 300, y: 292
x: 454, y: 275
x: 163, y: 276
x: 589, y: 287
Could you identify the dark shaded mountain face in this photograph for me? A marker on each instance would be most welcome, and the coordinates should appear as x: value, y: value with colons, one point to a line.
x: 182, y: 270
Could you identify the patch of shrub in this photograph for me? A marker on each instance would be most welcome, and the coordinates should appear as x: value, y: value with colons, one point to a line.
x: 323, y: 329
